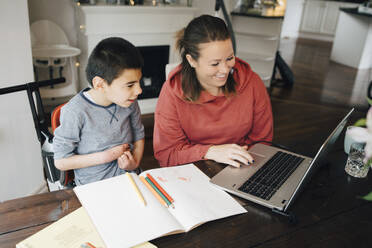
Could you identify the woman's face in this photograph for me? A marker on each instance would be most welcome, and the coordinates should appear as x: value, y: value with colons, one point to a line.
x: 214, y: 64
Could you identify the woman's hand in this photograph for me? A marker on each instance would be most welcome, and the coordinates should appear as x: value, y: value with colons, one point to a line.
x: 231, y: 154
x: 127, y: 161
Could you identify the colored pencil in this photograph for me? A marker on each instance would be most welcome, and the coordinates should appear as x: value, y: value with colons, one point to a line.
x: 87, y: 245
x: 160, y: 188
x: 139, y: 194
x: 153, y: 192
x: 158, y: 191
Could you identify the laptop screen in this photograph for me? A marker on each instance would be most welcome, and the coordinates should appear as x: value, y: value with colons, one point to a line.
x: 321, y: 154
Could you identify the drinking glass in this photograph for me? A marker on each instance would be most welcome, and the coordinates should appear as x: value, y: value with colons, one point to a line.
x: 354, y: 165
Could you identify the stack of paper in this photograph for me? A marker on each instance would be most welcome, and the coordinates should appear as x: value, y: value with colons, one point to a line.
x: 71, y: 231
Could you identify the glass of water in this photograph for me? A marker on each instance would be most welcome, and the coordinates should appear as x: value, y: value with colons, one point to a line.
x: 354, y: 165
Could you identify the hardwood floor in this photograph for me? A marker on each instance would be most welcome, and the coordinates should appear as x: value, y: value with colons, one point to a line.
x: 322, y: 94
x: 318, y: 80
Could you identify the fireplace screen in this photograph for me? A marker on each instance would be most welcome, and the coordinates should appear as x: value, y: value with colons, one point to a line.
x: 153, y: 73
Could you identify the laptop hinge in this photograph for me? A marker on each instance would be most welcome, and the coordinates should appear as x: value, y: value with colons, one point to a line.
x: 291, y: 216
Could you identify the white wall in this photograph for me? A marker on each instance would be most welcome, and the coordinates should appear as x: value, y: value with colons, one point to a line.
x: 21, y: 164
x: 292, y: 19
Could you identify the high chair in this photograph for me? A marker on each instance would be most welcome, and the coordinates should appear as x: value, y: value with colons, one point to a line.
x: 54, y: 57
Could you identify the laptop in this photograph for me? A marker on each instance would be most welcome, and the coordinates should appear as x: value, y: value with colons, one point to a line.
x: 277, y: 176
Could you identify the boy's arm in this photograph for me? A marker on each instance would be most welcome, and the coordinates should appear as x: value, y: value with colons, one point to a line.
x: 86, y: 160
x: 138, y: 148
x: 138, y: 135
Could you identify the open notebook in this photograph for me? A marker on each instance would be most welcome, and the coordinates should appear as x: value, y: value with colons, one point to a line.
x: 123, y: 220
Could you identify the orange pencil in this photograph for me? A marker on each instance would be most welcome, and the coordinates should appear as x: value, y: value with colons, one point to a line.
x: 153, y: 191
x: 160, y: 188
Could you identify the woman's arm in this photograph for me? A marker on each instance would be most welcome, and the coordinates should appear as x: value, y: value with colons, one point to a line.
x: 171, y: 145
x: 262, y: 128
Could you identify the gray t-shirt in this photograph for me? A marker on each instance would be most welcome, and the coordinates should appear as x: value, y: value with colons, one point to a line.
x: 88, y: 128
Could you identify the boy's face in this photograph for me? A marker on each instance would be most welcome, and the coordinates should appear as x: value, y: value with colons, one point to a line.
x: 124, y: 89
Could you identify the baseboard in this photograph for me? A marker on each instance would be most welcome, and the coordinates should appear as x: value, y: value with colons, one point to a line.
x: 315, y: 36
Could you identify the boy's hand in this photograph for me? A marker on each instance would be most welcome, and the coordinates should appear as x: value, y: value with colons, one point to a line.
x: 127, y: 162
x: 114, y: 153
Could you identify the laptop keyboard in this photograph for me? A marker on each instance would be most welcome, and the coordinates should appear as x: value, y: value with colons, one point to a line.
x: 268, y: 179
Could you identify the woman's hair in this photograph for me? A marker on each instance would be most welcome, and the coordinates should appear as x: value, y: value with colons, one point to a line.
x: 202, y: 29
x: 111, y: 57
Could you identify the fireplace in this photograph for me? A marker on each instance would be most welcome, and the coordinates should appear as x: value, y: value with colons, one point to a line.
x: 151, y: 29
x: 153, y: 72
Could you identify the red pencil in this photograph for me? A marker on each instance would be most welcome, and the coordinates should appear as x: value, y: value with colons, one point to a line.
x: 160, y: 188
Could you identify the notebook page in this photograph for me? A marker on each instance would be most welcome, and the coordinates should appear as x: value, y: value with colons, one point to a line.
x: 196, y: 201
x: 120, y: 217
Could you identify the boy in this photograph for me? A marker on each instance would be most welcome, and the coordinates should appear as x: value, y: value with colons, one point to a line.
x: 101, y: 134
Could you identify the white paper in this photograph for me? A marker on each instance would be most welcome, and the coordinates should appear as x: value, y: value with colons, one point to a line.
x: 196, y: 201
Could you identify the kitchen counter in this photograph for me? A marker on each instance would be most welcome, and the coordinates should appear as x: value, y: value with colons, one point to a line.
x: 355, y: 11
x: 264, y: 13
x: 348, y: 1
x: 352, y: 45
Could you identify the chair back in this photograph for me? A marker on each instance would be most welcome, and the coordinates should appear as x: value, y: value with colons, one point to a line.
x: 66, y: 177
x: 55, y: 117
x: 169, y: 68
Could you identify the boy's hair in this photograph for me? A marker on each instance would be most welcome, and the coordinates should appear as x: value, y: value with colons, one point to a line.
x: 110, y: 57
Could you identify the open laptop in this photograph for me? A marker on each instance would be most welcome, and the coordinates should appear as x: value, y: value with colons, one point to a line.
x: 277, y: 175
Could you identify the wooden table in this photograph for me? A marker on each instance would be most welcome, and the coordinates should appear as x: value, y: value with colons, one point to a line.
x: 328, y: 211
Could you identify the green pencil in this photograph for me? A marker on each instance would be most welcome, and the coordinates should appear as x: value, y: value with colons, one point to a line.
x: 158, y: 191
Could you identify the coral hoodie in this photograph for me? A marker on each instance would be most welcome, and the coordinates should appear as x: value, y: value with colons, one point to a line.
x: 184, y: 131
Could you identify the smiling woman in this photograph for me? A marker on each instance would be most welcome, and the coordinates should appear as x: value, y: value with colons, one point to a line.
x: 213, y: 106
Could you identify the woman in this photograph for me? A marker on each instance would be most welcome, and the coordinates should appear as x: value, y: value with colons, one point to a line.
x: 213, y: 106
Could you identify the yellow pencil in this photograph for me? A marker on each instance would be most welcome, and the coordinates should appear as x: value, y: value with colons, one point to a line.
x: 136, y: 188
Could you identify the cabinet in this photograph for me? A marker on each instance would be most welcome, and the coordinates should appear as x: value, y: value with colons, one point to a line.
x: 312, y: 16
x: 257, y: 40
x: 353, y: 40
x: 330, y: 18
x: 320, y: 18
